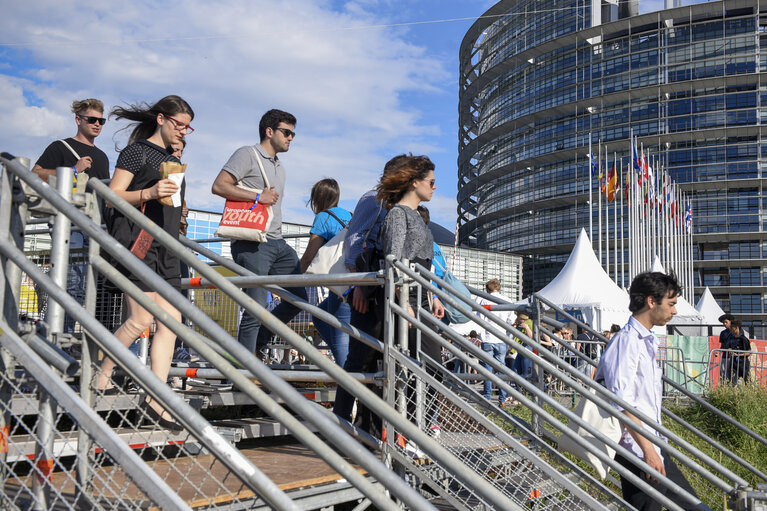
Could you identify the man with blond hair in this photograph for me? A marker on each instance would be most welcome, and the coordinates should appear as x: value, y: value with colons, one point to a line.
x: 80, y: 153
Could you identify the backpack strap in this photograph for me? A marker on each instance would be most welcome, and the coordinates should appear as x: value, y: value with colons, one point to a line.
x: 343, y: 224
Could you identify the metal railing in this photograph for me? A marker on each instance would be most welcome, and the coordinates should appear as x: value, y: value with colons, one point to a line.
x: 735, y: 367
x: 66, y: 450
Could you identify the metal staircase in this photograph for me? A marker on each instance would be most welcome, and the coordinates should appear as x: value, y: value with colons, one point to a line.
x: 63, y: 445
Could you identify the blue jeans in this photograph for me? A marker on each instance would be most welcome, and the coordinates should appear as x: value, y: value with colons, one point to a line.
x: 337, y: 341
x: 523, y: 366
x: 498, y: 352
x: 76, y: 274
x: 272, y: 257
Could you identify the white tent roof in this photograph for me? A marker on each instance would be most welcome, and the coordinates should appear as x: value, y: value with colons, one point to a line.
x: 685, y: 313
x: 709, y: 308
x: 583, y: 283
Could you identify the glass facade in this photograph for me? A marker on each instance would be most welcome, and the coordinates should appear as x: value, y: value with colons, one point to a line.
x: 686, y: 81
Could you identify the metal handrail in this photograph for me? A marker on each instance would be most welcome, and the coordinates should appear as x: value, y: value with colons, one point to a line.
x: 169, y: 399
x: 476, y: 352
x: 698, y: 400
x: 579, y: 376
x: 155, y: 487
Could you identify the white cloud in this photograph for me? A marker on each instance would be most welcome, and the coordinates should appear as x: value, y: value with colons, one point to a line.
x: 231, y: 61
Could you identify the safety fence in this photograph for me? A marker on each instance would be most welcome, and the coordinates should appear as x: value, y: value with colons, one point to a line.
x: 107, y: 449
x: 735, y: 367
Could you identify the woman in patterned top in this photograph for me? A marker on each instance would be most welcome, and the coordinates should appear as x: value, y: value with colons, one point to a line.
x: 137, y: 179
x: 404, y: 233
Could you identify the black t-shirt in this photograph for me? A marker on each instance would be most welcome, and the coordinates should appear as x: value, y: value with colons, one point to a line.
x: 143, y: 159
x: 588, y: 348
x: 57, y: 155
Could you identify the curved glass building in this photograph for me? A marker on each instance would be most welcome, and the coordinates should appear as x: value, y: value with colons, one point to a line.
x: 538, y: 78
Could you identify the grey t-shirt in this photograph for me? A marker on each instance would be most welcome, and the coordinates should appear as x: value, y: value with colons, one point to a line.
x: 244, y: 167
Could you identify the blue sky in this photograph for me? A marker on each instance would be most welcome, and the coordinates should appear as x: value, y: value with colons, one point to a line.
x: 367, y: 79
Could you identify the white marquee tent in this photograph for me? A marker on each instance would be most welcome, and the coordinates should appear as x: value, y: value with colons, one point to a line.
x: 583, y: 286
x: 709, y: 308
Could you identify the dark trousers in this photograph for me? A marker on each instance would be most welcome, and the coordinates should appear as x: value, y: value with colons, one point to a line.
x: 362, y: 358
x: 643, y: 502
x: 272, y: 257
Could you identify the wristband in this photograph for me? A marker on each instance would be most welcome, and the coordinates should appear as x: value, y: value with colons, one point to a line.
x: 258, y: 195
x: 435, y: 297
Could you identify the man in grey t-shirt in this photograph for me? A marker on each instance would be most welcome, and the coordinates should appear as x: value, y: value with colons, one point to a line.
x: 274, y: 256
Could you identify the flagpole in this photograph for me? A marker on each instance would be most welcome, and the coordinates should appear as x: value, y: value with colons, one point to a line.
x: 607, y: 214
x: 616, y: 189
x: 599, y: 208
x: 690, y: 259
x: 591, y: 202
x: 623, y: 233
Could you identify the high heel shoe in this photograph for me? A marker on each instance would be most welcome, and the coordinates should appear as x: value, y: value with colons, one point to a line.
x: 155, y: 417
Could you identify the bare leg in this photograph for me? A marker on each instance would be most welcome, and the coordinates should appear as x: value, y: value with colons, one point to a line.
x: 139, y: 319
x: 161, y: 352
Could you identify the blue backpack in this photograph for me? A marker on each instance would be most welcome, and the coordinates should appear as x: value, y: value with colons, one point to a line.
x: 453, y: 314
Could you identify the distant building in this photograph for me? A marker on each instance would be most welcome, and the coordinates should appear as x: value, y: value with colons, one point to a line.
x: 537, y: 80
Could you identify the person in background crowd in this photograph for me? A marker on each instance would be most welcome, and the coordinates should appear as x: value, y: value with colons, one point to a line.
x: 739, y: 343
x: 493, y: 346
x: 137, y: 179
x: 629, y: 368
x: 588, y: 345
x: 725, y: 338
x: 274, y: 256
x: 80, y: 153
x: 329, y: 220
x: 523, y: 366
x: 438, y: 260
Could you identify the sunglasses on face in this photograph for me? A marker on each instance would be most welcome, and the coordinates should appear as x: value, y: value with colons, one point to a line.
x: 92, y: 120
x: 286, y: 132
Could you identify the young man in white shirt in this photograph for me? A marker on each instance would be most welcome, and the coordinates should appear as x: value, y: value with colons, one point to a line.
x: 630, y: 368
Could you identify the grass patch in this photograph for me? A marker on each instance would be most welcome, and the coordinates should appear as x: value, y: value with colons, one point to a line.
x: 746, y: 404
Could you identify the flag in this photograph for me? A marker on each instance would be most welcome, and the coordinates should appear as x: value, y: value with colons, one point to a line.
x: 688, y: 218
x: 601, y: 182
x: 628, y: 185
x: 635, y: 163
x: 644, y: 170
x: 612, y: 184
x: 592, y: 164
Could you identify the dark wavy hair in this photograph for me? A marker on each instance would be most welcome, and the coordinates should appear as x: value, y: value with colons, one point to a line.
x: 272, y: 119
x: 145, y: 116
x: 399, y: 174
x: 324, y: 195
x: 655, y: 284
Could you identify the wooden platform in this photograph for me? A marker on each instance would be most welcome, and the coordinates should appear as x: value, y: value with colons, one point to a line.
x: 204, y: 481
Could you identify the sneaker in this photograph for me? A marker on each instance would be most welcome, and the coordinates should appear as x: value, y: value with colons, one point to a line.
x: 181, y: 355
x: 435, y: 431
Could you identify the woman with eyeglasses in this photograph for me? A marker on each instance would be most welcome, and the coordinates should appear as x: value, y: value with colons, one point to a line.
x: 137, y: 179
x: 329, y: 220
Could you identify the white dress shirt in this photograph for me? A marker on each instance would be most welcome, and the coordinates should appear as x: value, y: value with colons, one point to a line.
x: 630, y: 369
